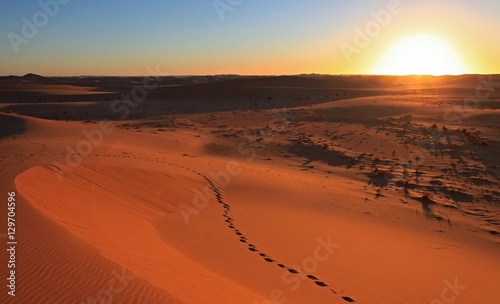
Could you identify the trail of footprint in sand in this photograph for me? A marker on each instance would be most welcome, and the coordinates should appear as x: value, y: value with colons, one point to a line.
x: 242, y: 238
x: 251, y: 247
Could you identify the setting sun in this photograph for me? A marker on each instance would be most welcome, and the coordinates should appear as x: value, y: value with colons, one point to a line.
x: 421, y: 55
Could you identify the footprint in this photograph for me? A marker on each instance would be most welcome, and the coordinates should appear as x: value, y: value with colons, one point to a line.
x: 348, y: 299
x: 310, y: 276
x: 320, y: 283
x: 292, y: 270
x: 269, y: 260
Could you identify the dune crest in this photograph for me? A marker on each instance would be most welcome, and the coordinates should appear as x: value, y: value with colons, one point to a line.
x: 115, y: 210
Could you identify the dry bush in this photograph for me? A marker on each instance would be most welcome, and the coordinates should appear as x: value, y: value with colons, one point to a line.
x: 426, y: 196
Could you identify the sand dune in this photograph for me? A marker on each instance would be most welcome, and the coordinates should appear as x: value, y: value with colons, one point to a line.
x: 334, y: 199
x: 118, y: 217
x: 11, y: 125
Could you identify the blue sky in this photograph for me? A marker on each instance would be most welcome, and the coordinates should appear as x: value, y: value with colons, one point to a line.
x: 255, y: 37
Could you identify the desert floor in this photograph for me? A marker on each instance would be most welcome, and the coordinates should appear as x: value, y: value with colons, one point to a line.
x: 226, y: 189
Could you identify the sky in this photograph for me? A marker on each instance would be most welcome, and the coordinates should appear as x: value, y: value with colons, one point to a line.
x: 249, y: 37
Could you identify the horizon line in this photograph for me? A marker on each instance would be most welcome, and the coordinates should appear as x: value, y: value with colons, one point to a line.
x: 254, y: 75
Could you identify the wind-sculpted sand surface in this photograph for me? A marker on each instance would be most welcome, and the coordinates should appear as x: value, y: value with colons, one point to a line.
x: 363, y: 190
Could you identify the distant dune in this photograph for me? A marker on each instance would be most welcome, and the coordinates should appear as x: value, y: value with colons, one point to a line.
x: 11, y: 125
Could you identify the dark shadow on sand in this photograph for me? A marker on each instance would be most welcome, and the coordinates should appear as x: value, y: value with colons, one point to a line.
x: 11, y: 125
x: 312, y: 152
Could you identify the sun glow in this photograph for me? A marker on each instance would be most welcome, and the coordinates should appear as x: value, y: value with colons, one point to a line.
x: 421, y: 55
